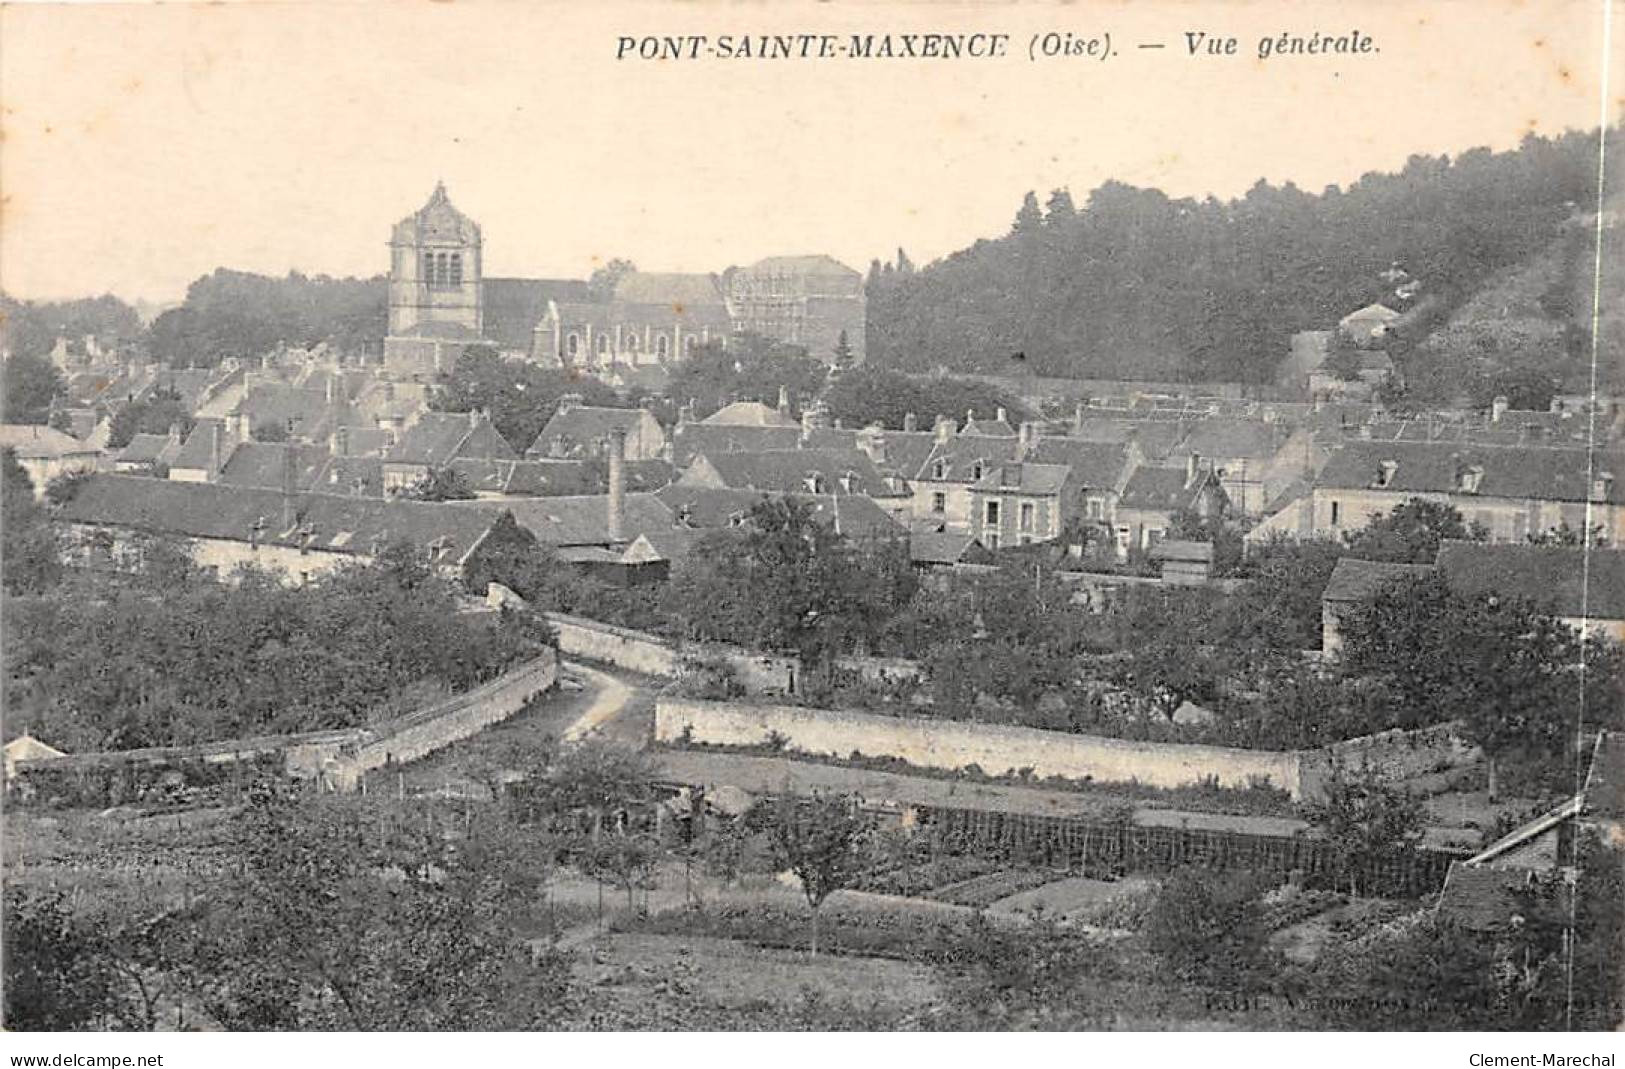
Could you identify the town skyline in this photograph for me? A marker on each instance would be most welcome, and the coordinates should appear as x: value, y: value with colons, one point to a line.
x: 672, y: 171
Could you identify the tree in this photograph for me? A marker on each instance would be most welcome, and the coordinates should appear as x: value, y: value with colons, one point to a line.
x: 1411, y: 533
x: 368, y: 915
x: 592, y: 777
x: 602, y: 282
x: 158, y: 412
x: 31, y: 384
x: 31, y: 554
x: 1042, y: 977
x: 56, y: 979
x: 824, y: 841
x: 842, y: 353
x: 440, y: 484
x: 1364, y: 820
x: 1207, y: 928
x: 520, y: 396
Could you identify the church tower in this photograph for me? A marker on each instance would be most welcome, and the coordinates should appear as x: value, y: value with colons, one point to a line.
x: 435, y: 290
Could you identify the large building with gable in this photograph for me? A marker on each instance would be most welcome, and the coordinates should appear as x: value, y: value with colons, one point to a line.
x: 441, y: 302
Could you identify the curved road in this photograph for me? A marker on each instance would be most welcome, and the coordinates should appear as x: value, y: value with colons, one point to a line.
x: 612, y: 698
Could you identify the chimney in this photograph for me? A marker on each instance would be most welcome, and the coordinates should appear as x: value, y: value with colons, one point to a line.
x: 1027, y: 439
x: 174, y: 434
x: 970, y: 416
x: 1498, y: 409
x: 944, y: 428
x: 784, y: 400
x: 911, y: 422
x: 685, y: 413
x: 217, y: 433
x: 998, y: 416
x: 341, y: 441
x: 473, y: 418
x: 290, y: 487
x: 872, y: 441
x: 1077, y: 420
x: 617, y: 486
x: 1193, y: 464
x: 332, y: 389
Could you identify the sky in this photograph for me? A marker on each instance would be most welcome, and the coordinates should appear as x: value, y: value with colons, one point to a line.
x: 145, y: 145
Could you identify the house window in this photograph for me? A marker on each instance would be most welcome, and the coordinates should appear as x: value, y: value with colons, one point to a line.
x: 1026, y: 517
x: 976, y: 470
x: 991, y: 541
x: 992, y: 514
x: 572, y: 344
x: 1336, y: 513
x: 428, y: 268
x: 632, y: 341
x: 661, y: 347
x: 939, y: 503
x: 456, y: 269
x: 601, y: 346
x: 1097, y: 509
x: 939, y: 470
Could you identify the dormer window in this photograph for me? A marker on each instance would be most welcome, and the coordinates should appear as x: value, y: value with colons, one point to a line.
x: 1470, y: 478
x: 1385, y: 473
x: 939, y: 470
x: 976, y: 471
x: 814, y: 483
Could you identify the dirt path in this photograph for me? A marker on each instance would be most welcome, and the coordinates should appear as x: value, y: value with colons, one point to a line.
x: 613, y: 696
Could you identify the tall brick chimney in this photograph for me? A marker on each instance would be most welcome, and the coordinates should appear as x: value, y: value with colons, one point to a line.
x: 290, y: 487
x: 617, y: 486
x: 217, y: 433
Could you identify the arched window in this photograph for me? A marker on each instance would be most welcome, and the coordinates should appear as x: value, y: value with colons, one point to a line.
x: 572, y: 344
x: 661, y: 346
x: 456, y: 269
x: 601, y: 345
x: 688, y: 345
x: 630, y: 339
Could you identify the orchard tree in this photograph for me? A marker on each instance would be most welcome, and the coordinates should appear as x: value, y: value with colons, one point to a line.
x: 1364, y: 820
x: 825, y: 841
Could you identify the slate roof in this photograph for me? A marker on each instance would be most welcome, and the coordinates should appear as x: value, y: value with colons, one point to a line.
x: 344, y: 524
x: 1434, y: 467
x: 513, y: 306
x: 360, y: 476
x: 262, y: 464
x: 194, y: 452
x: 708, y: 508
x: 1605, y: 780
x: 748, y: 414
x: 962, y: 453
x: 1157, y: 438
x: 1553, y: 577
x: 638, y: 314
x: 1354, y: 580
x: 436, y: 221
x: 1233, y: 439
x: 308, y: 409
x: 810, y: 264
x: 988, y: 428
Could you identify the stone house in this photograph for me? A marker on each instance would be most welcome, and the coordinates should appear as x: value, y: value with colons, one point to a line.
x: 576, y: 431
x: 46, y: 453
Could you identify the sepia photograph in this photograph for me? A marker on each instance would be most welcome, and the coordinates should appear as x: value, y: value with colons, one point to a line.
x: 883, y: 517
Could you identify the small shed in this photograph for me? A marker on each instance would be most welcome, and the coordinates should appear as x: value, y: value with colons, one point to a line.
x: 1184, y: 563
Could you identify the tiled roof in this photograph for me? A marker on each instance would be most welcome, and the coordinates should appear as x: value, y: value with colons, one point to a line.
x: 944, y: 547
x: 577, y: 521
x: 637, y: 314
x: 513, y: 306
x: 30, y: 441
x: 707, y: 508
x: 1037, y: 479
x: 1157, y: 438
x: 1481, y: 897
x: 1354, y: 580
x: 786, y: 471
x: 584, y: 426
x: 146, y: 449
x: 812, y: 264
x: 1160, y: 490
x: 645, y: 287
x: 962, y: 453
x: 195, y: 451
x: 1094, y: 464
x: 1546, y: 474
x: 1553, y: 577
x: 322, y: 521
x: 360, y: 476
x: 1233, y: 439
x: 691, y: 439
x: 558, y: 478
x: 438, y: 438
x: 262, y: 464
x: 748, y: 414
x: 988, y: 428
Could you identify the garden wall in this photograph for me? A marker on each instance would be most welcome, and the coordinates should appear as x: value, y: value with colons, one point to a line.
x: 423, y: 731
x: 1398, y: 755
x: 996, y: 749
x: 652, y: 655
